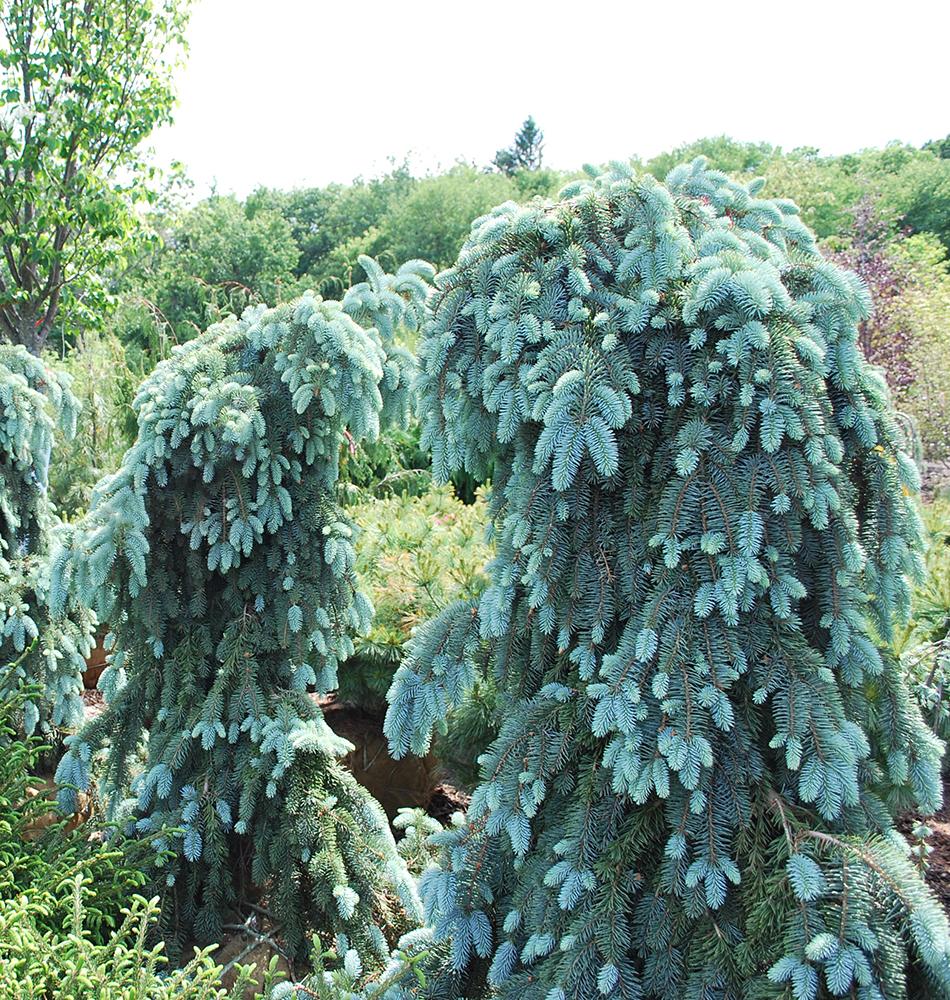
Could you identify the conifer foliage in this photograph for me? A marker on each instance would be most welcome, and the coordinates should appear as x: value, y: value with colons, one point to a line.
x: 221, y: 560
x: 47, y: 654
x: 704, y: 532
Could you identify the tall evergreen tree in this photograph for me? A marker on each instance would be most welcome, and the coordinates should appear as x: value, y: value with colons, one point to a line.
x: 526, y: 153
x: 224, y: 565
x: 34, y: 648
x: 704, y: 530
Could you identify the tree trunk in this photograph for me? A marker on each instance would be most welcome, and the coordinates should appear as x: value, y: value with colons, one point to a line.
x: 28, y: 331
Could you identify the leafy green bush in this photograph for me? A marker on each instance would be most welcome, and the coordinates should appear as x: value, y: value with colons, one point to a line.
x: 925, y: 307
x: 395, y: 463
x: 105, y: 384
x: 38, y: 964
x: 414, y: 556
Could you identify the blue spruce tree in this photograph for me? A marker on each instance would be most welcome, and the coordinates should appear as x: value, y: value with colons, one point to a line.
x: 705, y: 529
x: 224, y: 566
x: 35, y: 649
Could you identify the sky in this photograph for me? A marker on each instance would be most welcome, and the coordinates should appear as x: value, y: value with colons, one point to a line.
x: 287, y: 93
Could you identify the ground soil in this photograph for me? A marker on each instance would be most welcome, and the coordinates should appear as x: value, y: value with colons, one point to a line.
x: 938, y: 871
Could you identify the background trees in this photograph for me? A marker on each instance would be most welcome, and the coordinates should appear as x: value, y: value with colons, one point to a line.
x: 81, y: 85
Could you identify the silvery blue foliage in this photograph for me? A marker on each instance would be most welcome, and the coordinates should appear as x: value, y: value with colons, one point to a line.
x: 224, y: 565
x: 705, y: 531
x: 36, y: 648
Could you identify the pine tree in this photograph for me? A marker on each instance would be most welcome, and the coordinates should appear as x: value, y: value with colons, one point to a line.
x: 704, y: 530
x: 526, y: 153
x: 224, y: 565
x: 45, y: 653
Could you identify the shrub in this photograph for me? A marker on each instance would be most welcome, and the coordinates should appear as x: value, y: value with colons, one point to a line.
x: 702, y: 519
x: 872, y: 252
x: 72, y: 925
x: 224, y: 565
x: 35, y: 965
x: 925, y: 305
x: 392, y: 465
x: 105, y: 385
x: 49, y: 654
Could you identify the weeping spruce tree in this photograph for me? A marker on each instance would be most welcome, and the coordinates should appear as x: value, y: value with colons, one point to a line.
x: 35, y: 648
x: 704, y: 531
x: 224, y: 566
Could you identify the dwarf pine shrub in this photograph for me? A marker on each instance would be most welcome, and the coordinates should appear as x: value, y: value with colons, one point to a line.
x: 705, y: 530
x: 414, y: 555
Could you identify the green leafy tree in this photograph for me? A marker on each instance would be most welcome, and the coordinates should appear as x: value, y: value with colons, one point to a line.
x: 704, y: 528
x: 220, y: 558
x: 324, y: 218
x: 215, y: 260
x: 915, y: 183
x: 723, y: 153
x: 47, y: 653
x: 526, y: 153
x: 434, y: 218
x: 81, y: 85
x: 940, y: 146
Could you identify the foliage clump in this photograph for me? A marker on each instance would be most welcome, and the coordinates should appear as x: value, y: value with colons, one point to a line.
x: 703, y: 523
x: 105, y: 381
x: 35, y: 401
x: 224, y: 566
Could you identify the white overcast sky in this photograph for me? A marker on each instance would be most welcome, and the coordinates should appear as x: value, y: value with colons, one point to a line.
x: 296, y: 92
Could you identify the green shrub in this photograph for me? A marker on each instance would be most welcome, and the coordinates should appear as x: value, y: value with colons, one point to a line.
x: 925, y: 305
x: 394, y: 464
x: 414, y: 556
x: 105, y: 384
x: 37, y: 964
